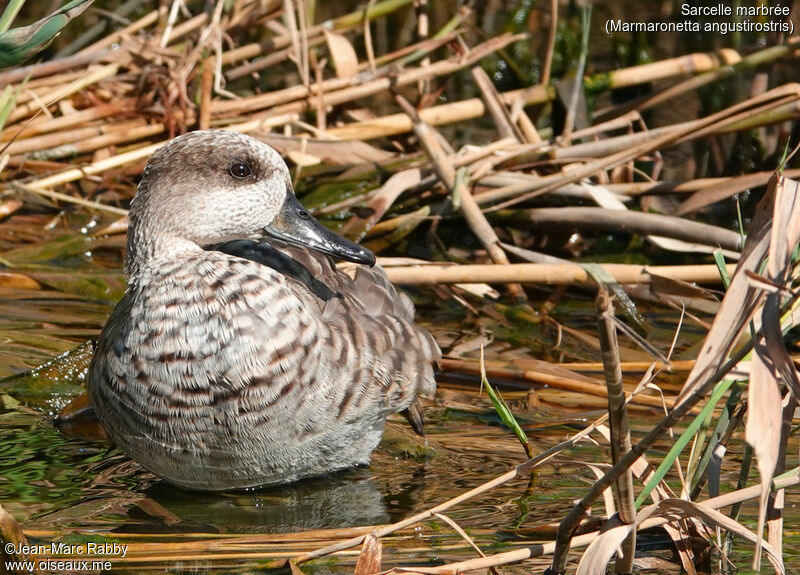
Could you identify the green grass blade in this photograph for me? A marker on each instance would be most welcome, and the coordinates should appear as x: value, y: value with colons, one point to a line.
x: 20, y: 44
x: 719, y: 259
x: 504, y: 412
x: 684, y: 439
x: 9, y: 14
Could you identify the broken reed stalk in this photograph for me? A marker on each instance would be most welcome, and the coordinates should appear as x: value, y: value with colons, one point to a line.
x: 497, y: 109
x: 620, y: 439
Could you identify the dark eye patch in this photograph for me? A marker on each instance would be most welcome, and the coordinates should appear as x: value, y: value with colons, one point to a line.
x: 240, y: 170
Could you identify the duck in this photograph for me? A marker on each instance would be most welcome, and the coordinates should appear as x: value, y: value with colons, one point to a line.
x: 240, y: 355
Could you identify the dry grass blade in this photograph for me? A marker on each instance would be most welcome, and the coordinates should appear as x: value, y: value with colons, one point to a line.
x: 369, y: 560
x: 11, y: 539
x: 771, y: 361
x: 763, y: 429
x: 461, y: 532
x: 344, y: 58
x: 602, y: 549
x: 740, y: 301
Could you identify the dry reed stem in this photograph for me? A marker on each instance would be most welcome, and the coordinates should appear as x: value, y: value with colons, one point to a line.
x: 147, y: 20
x: 454, y: 112
x: 54, y: 139
x: 341, y: 90
x: 516, y: 194
x: 120, y: 134
x: 69, y: 199
x: 496, y: 107
x: 50, y: 68
x: 460, y: 192
x: 206, y: 88
x: 551, y: 380
x: 142, y: 153
x: 550, y: 274
x: 267, y: 61
x: 627, y: 221
x: 472, y: 108
x: 551, y: 42
x: 47, y: 127
x: 620, y: 436
x: 760, y: 57
x: 54, y: 96
x: 337, y: 24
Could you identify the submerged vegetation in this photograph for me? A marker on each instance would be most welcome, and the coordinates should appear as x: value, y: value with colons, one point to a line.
x: 597, y: 228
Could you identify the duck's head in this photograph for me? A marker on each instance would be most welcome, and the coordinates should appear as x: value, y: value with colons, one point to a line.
x: 212, y: 186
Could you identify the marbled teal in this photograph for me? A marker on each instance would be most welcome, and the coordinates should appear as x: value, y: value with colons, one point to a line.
x: 240, y: 354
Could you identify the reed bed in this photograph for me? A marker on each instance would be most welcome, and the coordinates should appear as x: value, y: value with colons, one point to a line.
x: 77, y: 128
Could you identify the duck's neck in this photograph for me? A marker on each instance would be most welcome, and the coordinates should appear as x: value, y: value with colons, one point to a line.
x: 148, y: 244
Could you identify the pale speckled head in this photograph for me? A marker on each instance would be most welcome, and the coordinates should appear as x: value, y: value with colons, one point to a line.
x: 212, y: 186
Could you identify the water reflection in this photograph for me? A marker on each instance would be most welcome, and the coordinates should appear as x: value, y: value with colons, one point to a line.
x: 346, y: 499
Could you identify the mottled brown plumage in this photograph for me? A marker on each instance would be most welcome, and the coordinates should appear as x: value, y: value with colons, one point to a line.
x: 223, y: 368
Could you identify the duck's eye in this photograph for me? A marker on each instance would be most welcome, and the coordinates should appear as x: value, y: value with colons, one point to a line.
x: 240, y: 170
x: 303, y: 214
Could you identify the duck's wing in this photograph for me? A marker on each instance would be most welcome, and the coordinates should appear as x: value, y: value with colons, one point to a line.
x: 266, y: 255
x: 374, y: 323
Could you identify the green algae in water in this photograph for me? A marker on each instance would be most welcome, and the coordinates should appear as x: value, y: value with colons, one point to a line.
x: 52, y: 385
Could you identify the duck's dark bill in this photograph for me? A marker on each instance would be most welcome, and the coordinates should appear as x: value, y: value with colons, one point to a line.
x: 294, y: 225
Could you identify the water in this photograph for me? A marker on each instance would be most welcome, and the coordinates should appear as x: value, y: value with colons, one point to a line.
x: 67, y: 489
